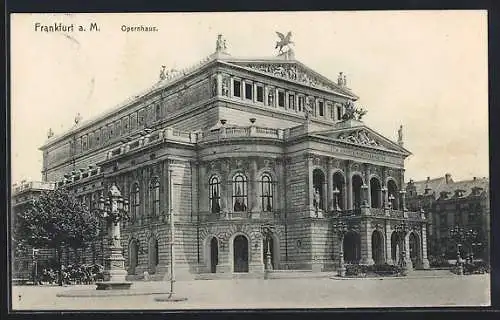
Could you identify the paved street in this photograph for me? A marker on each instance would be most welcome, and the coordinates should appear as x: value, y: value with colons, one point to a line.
x: 280, y: 293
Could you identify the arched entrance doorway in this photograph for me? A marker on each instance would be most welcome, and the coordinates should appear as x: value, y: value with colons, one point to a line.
x: 357, y: 182
x: 352, y: 248
x: 414, y: 250
x: 396, y: 247
x: 378, y: 247
x: 214, y: 254
x: 375, y: 193
x: 133, y: 256
x: 240, y: 254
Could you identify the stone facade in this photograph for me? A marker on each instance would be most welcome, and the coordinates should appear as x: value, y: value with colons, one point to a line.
x: 449, y: 203
x: 244, y: 156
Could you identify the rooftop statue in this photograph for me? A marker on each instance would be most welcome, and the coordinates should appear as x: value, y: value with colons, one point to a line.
x: 284, y: 41
x: 352, y: 112
x: 78, y: 118
x: 163, y: 75
x: 50, y: 133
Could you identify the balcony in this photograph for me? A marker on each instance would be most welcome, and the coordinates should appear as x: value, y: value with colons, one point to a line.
x: 239, y: 132
x: 235, y: 216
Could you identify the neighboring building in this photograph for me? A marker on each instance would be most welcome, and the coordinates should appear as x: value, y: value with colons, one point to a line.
x: 251, y: 142
x: 22, y: 195
x: 451, y: 203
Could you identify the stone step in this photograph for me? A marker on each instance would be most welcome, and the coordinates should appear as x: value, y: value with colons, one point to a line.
x: 219, y: 276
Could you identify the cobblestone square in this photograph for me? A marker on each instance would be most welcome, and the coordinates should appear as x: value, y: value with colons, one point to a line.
x: 452, y: 291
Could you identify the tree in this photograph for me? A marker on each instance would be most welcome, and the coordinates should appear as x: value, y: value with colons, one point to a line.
x: 56, y: 220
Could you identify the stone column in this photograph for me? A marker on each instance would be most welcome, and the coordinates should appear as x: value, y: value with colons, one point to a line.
x: 226, y: 190
x: 195, y: 191
x: 348, y: 181
x: 329, y: 182
x: 309, y: 186
x: 369, y: 189
x: 388, y: 245
x: 266, y: 95
x: 219, y: 84
x: 254, y: 95
x: 281, y: 189
x: 366, y: 242
x: 407, y: 251
x: 203, y: 205
x: 276, y: 93
x: 402, y: 205
x: 425, y: 261
x: 253, y: 199
x: 243, y: 90
x: 231, y: 87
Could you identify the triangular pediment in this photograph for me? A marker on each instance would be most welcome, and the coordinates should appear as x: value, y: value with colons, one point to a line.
x: 359, y: 134
x: 292, y: 70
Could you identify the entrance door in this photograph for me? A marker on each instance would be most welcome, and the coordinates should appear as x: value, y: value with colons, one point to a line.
x: 240, y: 254
x: 214, y: 255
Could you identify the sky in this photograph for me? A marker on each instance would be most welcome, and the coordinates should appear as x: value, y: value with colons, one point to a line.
x: 425, y: 70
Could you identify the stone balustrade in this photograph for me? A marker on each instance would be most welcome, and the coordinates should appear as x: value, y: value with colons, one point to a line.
x: 39, y: 185
x: 238, y: 132
x: 207, y: 216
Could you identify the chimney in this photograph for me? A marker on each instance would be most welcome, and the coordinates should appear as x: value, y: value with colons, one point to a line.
x: 428, y: 179
x: 474, y: 179
x: 447, y: 178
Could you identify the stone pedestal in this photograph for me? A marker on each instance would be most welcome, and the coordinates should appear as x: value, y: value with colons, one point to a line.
x: 114, y: 272
x: 316, y: 266
x: 256, y: 267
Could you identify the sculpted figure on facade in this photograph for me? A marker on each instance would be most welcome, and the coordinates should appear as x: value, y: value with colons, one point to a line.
x: 225, y: 87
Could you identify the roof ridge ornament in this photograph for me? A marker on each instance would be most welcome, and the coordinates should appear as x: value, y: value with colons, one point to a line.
x: 285, y: 41
x: 400, y: 135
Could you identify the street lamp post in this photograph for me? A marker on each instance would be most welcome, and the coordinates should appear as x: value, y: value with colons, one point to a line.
x: 402, y: 230
x: 267, y: 231
x: 340, y: 228
x: 114, y: 210
x: 171, y: 295
x: 458, y: 235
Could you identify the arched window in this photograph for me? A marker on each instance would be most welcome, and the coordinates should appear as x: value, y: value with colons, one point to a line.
x: 134, y: 201
x: 214, y: 195
x: 240, y: 194
x: 266, y: 187
x: 154, y: 194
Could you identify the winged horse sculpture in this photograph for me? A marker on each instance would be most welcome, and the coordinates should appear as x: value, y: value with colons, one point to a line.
x: 284, y: 41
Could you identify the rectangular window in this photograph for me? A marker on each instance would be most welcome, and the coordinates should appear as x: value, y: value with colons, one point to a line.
x: 97, y: 137
x: 158, y: 112
x: 321, y: 107
x: 339, y: 112
x: 84, y: 143
x: 236, y: 88
x: 91, y: 140
x: 140, y: 118
x: 260, y: 94
x: 301, y: 103
x: 125, y: 124
x: 281, y: 99
x: 248, y: 91
x: 110, y: 131
x: 291, y: 101
x: 133, y: 121
x: 118, y: 128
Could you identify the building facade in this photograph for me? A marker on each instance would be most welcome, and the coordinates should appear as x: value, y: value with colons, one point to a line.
x: 450, y: 204
x: 249, y: 144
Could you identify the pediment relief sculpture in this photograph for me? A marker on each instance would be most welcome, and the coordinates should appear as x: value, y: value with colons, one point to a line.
x: 292, y: 72
x: 359, y: 137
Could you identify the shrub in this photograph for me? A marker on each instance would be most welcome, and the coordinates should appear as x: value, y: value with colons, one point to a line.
x: 476, y: 267
x: 439, y: 262
x: 386, y: 269
x: 355, y: 270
